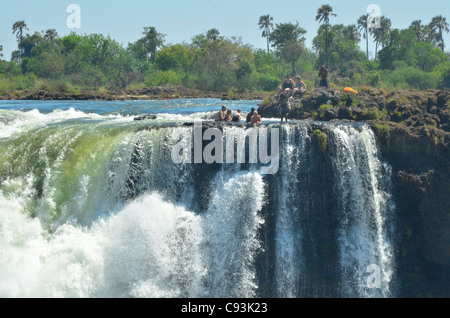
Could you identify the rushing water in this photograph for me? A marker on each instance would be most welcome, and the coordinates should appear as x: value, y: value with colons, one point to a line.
x: 92, y: 205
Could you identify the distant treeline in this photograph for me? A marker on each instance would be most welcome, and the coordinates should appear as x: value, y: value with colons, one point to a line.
x: 411, y: 58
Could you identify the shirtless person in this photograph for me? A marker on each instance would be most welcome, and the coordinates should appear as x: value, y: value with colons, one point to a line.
x: 237, y: 116
x: 222, y: 114
x: 256, y: 119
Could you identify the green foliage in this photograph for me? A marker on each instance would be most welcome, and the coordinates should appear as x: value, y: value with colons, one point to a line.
x: 20, y: 83
x: 287, y: 32
x: 342, y: 48
x: 174, y: 57
x: 410, y: 58
x: 409, y: 77
x: 371, y: 114
x: 268, y: 82
x: 145, y: 48
x: 164, y: 77
x: 321, y: 111
x: 446, y: 80
x: 322, y: 140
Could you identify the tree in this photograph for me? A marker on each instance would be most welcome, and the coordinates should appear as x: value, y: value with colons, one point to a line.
x: 363, y: 26
x: 16, y: 56
x: 291, y: 52
x: 429, y: 35
x: 17, y: 29
x: 380, y: 34
x: 213, y: 35
x: 344, y: 49
x: 285, y: 32
x: 220, y: 65
x: 145, y: 48
x: 265, y: 23
x: 440, y: 25
x: 50, y: 35
x: 351, y: 33
x: 174, y: 57
x: 399, y: 47
x: 419, y: 30
x: 29, y: 42
x: 323, y: 16
x: 427, y: 57
x: 1, y: 49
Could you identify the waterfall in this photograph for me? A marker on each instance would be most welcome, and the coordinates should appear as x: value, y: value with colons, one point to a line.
x: 94, y: 208
x: 366, y: 207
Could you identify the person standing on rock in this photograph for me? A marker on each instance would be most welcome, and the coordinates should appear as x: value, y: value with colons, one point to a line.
x: 284, y: 109
x: 323, y: 74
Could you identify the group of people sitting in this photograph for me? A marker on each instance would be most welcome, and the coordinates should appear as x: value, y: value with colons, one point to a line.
x: 227, y: 115
x: 289, y: 88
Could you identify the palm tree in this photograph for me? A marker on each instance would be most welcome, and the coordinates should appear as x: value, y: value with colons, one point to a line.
x: 380, y: 34
x: 351, y: 32
x: 439, y: 24
x: 265, y: 24
x: 16, y: 56
x: 418, y: 29
x: 151, y: 41
x: 363, y: 26
x: 18, y: 28
x: 429, y: 35
x: 50, y: 35
x: 323, y: 16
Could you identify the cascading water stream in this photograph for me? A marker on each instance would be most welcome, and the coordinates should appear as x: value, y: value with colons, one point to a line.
x: 94, y: 206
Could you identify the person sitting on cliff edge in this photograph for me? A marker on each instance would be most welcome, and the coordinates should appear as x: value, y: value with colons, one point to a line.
x: 299, y: 89
x: 287, y: 86
x: 250, y: 115
x: 229, y: 115
x: 222, y: 114
x: 237, y: 116
x: 256, y: 119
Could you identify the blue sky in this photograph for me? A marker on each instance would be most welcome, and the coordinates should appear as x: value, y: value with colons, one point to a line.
x: 180, y: 20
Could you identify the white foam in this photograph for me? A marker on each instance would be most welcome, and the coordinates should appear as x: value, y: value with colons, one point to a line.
x: 15, y: 122
x: 145, y: 250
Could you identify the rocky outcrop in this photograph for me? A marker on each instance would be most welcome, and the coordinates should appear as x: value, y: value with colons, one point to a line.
x: 413, y: 130
x: 412, y: 108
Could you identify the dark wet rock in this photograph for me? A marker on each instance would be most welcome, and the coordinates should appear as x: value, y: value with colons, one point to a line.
x: 331, y: 113
x: 145, y: 117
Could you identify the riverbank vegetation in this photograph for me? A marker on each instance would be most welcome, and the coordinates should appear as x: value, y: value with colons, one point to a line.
x: 405, y: 58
